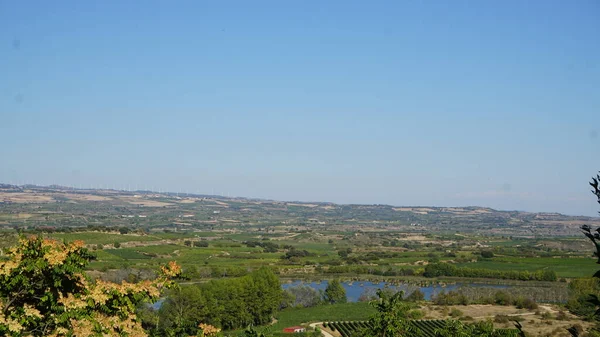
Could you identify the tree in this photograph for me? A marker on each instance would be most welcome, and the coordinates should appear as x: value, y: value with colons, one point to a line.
x: 593, y: 301
x: 228, y: 303
x: 304, y: 296
x: 487, y: 254
x: 335, y: 292
x: 391, y: 318
x: 44, y: 292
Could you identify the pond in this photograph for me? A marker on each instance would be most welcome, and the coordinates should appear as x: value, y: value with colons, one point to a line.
x: 356, y: 288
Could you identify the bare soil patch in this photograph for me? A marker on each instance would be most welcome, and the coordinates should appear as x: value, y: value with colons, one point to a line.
x: 26, y: 197
x: 145, y: 202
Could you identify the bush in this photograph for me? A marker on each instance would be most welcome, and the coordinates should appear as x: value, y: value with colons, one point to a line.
x: 416, y: 314
x: 529, y: 304
x: 501, y: 318
x: 502, y: 298
x: 486, y: 254
x: 455, y: 313
x: 200, y: 244
x: 416, y: 296
x: 117, y: 245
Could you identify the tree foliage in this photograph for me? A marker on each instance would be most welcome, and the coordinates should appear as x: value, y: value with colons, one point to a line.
x: 589, y: 305
x: 335, y: 292
x: 44, y: 292
x: 391, y: 318
x: 304, y: 296
x: 227, y: 304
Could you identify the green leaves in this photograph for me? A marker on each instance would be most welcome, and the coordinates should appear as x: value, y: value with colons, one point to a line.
x: 335, y: 292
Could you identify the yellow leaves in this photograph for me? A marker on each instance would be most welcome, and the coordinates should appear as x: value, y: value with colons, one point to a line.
x: 71, y: 302
x: 10, y: 323
x: 56, y: 257
x: 48, y: 243
x: 31, y: 311
x: 208, y: 330
x: 7, y: 267
x: 77, y: 244
x: 83, y: 328
x: 171, y: 270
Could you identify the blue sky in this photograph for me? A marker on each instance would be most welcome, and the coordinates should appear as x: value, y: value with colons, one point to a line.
x: 489, y: 103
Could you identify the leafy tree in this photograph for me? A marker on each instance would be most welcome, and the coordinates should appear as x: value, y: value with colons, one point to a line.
x: 487, y: 254
x: 391, y: 318
x: 250, y: 332
x: 335, y: 292
x: 44, y: 292
x: 228, y: 303
x: 416, y: 296
x: 304, y: 296
x: 593, y: 298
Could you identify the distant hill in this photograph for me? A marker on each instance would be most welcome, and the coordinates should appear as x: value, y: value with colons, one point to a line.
x: 63, y: 206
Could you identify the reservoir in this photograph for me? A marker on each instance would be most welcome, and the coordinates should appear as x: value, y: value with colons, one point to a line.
x: 355, y: 289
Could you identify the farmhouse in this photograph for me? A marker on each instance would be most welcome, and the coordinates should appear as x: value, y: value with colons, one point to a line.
x: 294, y: 329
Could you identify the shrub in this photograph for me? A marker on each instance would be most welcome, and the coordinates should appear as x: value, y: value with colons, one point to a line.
x: 455, y: 313
x: 416, y: 296
x: 416, y: 314
x: 501, y: 318
x: 486, y: 254
x: 561, y: 316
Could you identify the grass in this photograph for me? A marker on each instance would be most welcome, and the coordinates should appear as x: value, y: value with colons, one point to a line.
x: 296, y: 316
x: 336, y: 312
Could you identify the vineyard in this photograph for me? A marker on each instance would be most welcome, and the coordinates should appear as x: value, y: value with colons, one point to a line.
x: 427, y: 327
x: 347, y: 329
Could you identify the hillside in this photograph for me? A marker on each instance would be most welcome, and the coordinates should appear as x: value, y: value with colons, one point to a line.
x: 56, y: 206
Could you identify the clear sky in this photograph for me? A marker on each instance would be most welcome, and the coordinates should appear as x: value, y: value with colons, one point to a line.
x: 444, y: 103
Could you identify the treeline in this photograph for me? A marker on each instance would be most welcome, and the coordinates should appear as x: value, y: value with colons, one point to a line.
x: 78, y: 229
x: 269, y: 247
x: 365, y: 269
x: 292, y: 254
x: 446, y: 269
x: 227, y: 304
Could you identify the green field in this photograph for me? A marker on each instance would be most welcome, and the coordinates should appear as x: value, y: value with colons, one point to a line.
x: 564, y: 267
x: 227, y: 250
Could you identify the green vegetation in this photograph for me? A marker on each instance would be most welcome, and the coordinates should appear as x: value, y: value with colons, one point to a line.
x: 43, y: 292
x: 446, y: 269
x: 228, y: 304
x: 233, y: 253
x: 335, y: 312
x: 335, y: 292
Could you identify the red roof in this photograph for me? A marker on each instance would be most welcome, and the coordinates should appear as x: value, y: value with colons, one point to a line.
x: 293, y: 328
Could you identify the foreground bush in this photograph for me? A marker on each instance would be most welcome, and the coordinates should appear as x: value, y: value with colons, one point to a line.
x: 44, y: 292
